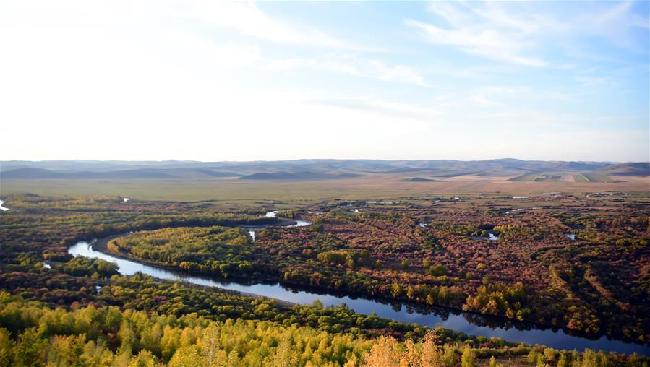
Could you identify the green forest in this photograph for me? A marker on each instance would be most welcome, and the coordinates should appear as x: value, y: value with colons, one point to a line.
x: 33, y: 334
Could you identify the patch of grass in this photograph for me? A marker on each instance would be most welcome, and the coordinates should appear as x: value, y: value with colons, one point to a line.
x: 581, y: 178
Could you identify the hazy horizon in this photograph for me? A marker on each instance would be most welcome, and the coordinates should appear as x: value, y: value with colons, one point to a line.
x: 231, y: 81
x: 308, y: 159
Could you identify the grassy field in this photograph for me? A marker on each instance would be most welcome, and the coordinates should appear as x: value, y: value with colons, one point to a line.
x: 367, y: 187
x: 582, y: 178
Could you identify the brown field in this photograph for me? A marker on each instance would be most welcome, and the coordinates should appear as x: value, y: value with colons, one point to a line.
x: 366, y: 187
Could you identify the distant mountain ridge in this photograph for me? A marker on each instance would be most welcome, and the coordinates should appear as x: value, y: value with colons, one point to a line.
x: 310, y: 169
x: 296, y: 176
x: 628, y: 169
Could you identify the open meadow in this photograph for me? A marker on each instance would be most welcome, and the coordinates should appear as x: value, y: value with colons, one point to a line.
x: 306, y: 191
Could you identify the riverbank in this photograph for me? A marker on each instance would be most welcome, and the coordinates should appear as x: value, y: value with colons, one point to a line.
x: 256, y: 277
x: 463, y: 323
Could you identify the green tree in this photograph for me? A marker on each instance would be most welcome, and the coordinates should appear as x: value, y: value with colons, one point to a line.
x: 6, y: 347
x: 187, y: 357
x: 127, y: 338
x: 143, y: 359
x: 468, y: 358
x: 562, y: 361
x: 30, y: 349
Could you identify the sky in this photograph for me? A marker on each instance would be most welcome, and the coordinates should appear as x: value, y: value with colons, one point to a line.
x: 215, y: 81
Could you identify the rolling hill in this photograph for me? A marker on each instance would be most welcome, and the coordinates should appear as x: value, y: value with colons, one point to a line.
x: 314, y: 169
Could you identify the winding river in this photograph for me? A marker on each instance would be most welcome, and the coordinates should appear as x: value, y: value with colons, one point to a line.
x: 470, y: 324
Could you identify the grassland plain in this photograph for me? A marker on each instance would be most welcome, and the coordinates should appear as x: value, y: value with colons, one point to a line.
x: 367, y: 187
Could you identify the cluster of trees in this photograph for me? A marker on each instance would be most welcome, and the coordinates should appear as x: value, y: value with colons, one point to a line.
x: 499, y: 300
x: 386, y: 351
x: 83, y: 266
x: 40, y: 228
x: 32, y: 334
x: 140, y: 292
x: 350, y: 258
x: 351, y: 282
x: 434, y: 269
x: 551, y: 357
x: 216, y: 250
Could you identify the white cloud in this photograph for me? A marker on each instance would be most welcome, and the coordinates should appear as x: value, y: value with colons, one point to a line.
x: 615, y: 23
x: 249, y: 20
x: 407, y: 111
x: 490, y: 43
x: 519, y: 33
x: 355, y: 66
x: 485, y: 29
